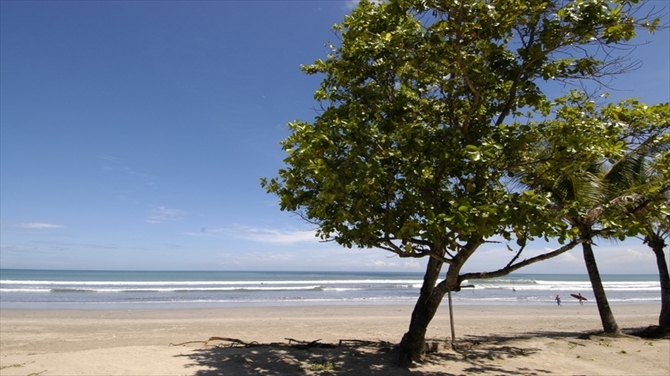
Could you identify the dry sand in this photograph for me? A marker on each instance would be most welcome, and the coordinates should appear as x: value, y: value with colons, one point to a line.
x: 494, y: 340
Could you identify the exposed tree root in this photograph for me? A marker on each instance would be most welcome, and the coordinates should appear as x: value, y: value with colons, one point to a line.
x: 601, y: 334
x: 653, y: 332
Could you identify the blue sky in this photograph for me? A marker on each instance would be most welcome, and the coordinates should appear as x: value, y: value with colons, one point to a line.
x: 134, y: 135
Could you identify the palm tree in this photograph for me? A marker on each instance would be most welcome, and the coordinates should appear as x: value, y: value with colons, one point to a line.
x: 655, y: 230
x: 608, y: 189
x: 656, y: 233
x: 594, y: 194
x: 643, y: 173
x: 588, y: 190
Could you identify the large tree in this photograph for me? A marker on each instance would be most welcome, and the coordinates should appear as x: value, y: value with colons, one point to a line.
x: 412, y: 150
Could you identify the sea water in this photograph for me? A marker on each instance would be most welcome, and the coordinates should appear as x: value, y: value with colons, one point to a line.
x: 183, y: 289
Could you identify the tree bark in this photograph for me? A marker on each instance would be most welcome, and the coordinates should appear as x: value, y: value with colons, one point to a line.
x: 412, y: 345
x: 606, y: 316
x: 657, y: 244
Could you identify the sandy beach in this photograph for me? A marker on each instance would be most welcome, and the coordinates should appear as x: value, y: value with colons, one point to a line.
x: 506, y: 339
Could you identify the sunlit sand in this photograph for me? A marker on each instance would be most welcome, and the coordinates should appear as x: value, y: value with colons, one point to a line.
x: 542, y: 340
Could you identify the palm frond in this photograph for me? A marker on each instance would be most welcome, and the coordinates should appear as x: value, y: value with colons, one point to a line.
x: 629, y: 172
x: 581, y: 186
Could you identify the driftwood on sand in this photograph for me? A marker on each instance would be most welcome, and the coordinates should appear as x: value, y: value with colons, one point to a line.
x: 292, y: 342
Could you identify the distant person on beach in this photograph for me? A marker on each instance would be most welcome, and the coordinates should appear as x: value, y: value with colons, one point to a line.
x: 558, y: 299
x: 579, y: 297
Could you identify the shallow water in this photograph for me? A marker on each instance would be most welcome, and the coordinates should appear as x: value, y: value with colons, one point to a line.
x: 109, y: 289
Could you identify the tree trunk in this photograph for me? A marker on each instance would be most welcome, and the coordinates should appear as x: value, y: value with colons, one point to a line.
x: 413, y: 343
x: 609, y: 323
x: 657, y: 244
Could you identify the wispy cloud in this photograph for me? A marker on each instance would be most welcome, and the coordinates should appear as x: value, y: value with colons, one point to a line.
x: 265, y: 235
x: 318, y: 257
x: 114, y: 164
x: 261, y: 235
x: 379, y: 260
x: 623, y: 257
x: 109, y: 158
x: 568, y: 257
x: 38, y: 225
x: 147, y: 178
x: 162, y: 214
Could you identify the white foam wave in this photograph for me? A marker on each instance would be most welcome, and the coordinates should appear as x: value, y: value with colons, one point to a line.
x: 215, y: 283
x: 176, y: 289
x: 573, y: 286
x: 340, y: 289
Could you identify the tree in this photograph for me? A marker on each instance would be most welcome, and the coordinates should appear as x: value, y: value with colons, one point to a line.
x: 412, y: 150
x: 609, y: 194
x: 656, y: 232
x: 644, y: 172
x: 656, y: 235
x: 577, y: 189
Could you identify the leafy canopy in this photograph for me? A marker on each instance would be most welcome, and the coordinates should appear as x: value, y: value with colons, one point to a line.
x: 422, y: 122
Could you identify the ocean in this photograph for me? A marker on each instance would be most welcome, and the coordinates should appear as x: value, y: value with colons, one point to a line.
x: 190, y: 289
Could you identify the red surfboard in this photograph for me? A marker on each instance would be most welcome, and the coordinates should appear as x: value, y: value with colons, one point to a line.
x: 576, y: 296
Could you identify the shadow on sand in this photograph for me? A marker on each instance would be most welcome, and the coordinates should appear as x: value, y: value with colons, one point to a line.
x: 473, y: 355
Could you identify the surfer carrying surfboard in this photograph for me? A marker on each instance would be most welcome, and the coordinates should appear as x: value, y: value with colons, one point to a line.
x: 580, y: 297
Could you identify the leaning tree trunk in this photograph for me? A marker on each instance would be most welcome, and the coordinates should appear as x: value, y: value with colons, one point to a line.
x: 657, y: 244
x: 413, y: 343
x: 609, y: 323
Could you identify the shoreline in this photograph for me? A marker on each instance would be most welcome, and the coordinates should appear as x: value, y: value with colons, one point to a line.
x: 508, y: 338
x: 297, y: 303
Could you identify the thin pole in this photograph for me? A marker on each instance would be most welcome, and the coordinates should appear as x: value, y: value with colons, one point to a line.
x: 451, y: 320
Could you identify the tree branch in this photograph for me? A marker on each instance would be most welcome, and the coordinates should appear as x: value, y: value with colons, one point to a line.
x: 516, y: 256
x: 510, y: 268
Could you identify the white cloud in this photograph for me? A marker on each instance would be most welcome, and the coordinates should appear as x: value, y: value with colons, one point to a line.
x: 632, y: 255
x: 273, y: 236
x: 162, y: 214
x: 380, y: 264
x: 39, y: 225
x: 265, y: 235
x: 260, y: 234
x: 626, y: 260
x: 568, y: 257
x: 318, y: 257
